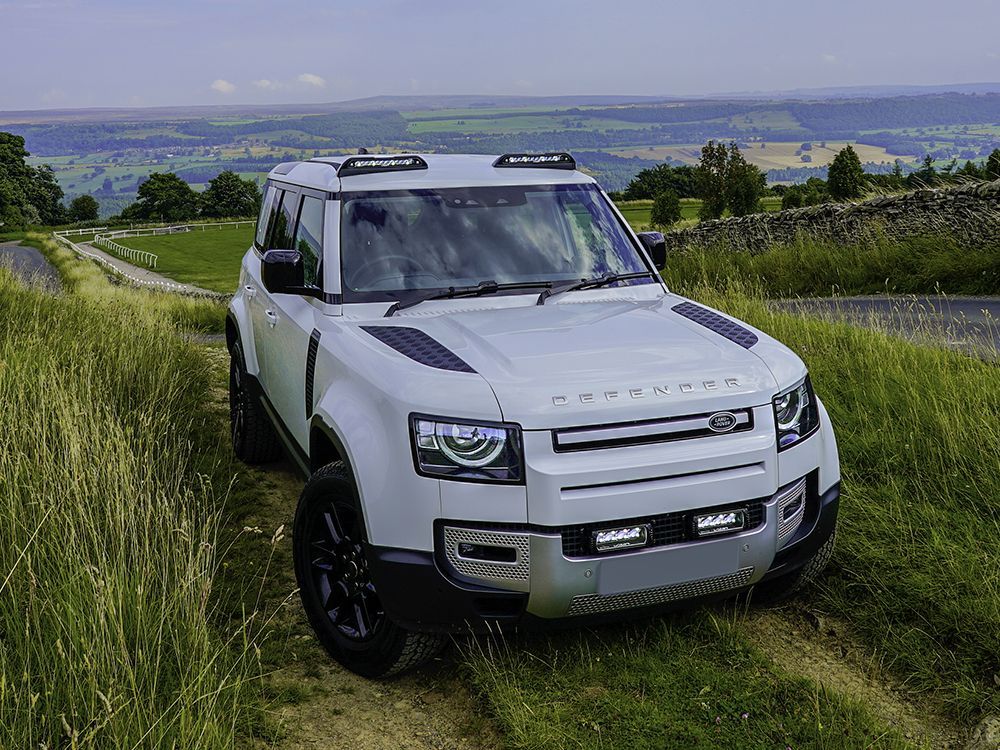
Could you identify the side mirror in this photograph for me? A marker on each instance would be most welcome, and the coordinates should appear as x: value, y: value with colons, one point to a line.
x: 282, y: 271
x: 656, y: 246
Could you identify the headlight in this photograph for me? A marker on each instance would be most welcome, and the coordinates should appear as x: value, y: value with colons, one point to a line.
x: 796, y: 414
x: 476, y: 451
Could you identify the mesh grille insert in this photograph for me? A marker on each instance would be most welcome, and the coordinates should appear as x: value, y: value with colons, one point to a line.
x: 588, y: 604
x: 419, y: 347
x: 715, y: 322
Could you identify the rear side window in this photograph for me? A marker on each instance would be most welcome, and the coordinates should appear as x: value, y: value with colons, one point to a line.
x: 309, y: 236
x: 267, y: 208
x: 283, y: 222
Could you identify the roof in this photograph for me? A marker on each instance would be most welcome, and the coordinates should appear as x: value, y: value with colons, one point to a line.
x: 443, y: 171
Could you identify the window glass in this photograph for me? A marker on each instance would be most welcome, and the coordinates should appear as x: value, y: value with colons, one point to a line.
x: 396, y: 242
x: 267, y: 208
x: 309, y: 236
x: 283, y: 223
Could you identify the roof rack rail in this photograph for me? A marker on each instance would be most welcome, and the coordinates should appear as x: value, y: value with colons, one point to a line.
x: 552, y: 160
x: 386, y: 163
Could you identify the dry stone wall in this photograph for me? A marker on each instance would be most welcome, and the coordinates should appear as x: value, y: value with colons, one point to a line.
x: 970, y: 213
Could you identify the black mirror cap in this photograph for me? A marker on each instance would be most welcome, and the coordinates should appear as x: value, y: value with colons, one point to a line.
x: 282, y: 271
x: 656, y: 246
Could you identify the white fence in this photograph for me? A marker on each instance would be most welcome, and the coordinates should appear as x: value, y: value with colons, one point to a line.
x: 149, y: 259
x: 78, y: 232
x: 166, y: 286
x: 136, y: 256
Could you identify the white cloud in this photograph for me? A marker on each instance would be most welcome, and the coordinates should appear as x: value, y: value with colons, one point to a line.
x: 312, y: 79
x: 267, y: 84
x: 828, y: 58
x: 222, y: 86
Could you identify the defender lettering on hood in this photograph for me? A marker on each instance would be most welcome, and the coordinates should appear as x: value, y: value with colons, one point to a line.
x: 655, y: 391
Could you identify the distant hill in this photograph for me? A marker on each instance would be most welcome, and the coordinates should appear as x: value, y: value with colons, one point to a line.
x: 485, y: 102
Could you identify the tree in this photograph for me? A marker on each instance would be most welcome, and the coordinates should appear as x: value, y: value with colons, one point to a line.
x: 163, y: 197
x: 83, y: 208
x: 710, y: 180
x: 28, y: 195
x: 924, y: 176
x: 745, y: 184
x: 666, y: 210
x: 812, y: 193
x: 992, y: 171
x: 228, y: 195
x: 651, y: 182
x: 846, y: 178
x: 726, y: 180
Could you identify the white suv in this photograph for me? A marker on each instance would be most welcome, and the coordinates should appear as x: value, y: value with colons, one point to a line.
x: 505, y: 416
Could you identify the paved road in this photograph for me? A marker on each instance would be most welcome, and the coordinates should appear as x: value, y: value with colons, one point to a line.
x: 970, y: 324
x: 29, y: 264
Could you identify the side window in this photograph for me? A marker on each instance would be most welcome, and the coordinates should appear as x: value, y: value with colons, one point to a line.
x: 283, y: 222
x: 309, y: 236
x: 267, y: 207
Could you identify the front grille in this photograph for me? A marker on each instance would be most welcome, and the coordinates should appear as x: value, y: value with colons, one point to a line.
x: 652, y: 431
x: 590, y: 604
x: 667, y: 529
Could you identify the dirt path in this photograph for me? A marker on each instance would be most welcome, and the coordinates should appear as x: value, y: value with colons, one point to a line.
x: 319, y: 704
x: 821, y: 648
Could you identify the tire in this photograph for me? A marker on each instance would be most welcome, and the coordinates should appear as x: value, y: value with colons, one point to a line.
x: 337, y: 593
x: 253, y: 436
x: 782, y: 588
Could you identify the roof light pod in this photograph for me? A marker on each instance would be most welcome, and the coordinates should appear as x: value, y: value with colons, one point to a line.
x: 373, y: 164
x: 558, y: 160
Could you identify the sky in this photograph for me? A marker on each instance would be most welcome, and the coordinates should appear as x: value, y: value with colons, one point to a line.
x: 71, y: 53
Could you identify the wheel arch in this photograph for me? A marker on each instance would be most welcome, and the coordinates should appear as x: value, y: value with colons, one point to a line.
x: 238, y: 329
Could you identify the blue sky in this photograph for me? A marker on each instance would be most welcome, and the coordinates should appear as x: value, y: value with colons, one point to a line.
x: 69, y: 53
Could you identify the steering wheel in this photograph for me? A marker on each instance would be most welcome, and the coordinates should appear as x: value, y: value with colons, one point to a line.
x: 359, y: 274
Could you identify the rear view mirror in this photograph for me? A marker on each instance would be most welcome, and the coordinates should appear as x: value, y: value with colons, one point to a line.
x: 656, y: 246
x: 282, y: 271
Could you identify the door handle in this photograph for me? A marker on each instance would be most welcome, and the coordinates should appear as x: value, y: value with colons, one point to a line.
x: 272, y: 317
x: 250, y: 290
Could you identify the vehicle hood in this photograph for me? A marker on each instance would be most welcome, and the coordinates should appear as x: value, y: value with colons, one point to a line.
x: 569, y: 364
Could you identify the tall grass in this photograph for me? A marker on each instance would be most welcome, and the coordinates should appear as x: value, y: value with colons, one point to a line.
x: 86, y: 279
x: 107, y: 537
x: 917, y: 566
x: 815, y: 267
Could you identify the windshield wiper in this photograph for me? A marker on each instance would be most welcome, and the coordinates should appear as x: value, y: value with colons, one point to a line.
x: 453, y: 292
x: 609, y: 278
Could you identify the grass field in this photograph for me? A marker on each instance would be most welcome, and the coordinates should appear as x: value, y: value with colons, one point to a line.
x: 688, y: 681
x: 813, y: 267
x: 637, y: 213
x: 208, y: 258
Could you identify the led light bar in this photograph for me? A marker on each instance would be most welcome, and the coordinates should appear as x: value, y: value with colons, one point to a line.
x: 537, y: 161
x: 373, y: 164
x: 722, y: 522
x: 624, y: 538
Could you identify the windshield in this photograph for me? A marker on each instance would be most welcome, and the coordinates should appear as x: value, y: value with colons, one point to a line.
x: 403, y: 241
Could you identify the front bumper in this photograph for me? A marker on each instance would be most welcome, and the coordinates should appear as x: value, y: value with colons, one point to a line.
x: 542, y: 585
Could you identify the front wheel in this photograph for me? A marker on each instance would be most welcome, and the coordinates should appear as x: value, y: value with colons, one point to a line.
x: 337, y: 592
x: 782, y: 588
